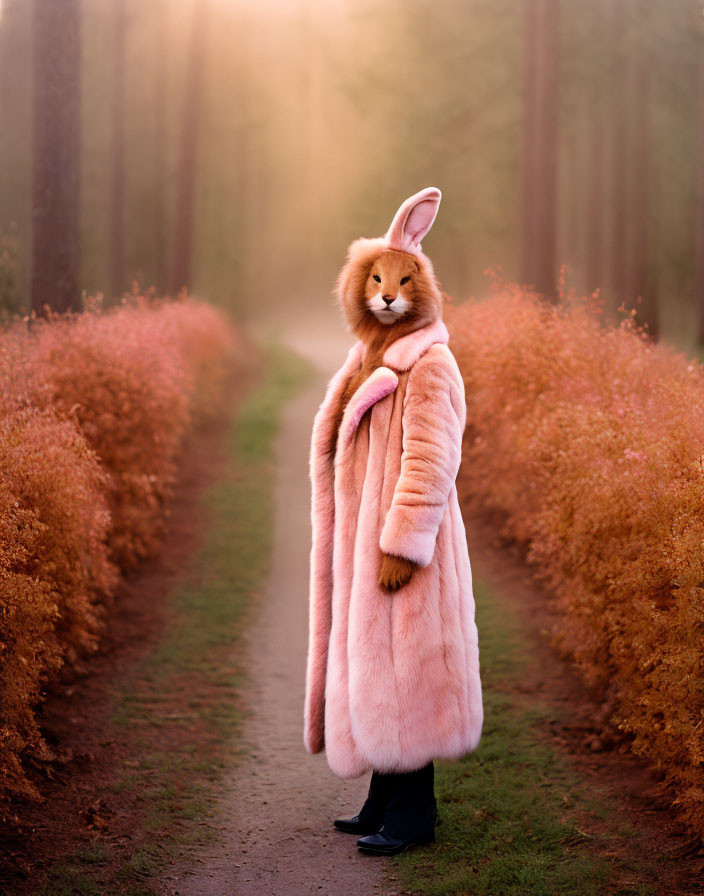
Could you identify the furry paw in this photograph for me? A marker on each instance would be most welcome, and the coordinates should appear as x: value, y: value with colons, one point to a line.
x: 395, y: 571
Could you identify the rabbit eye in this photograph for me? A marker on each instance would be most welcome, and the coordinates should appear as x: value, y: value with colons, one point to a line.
x: 404, y: 280
x: 377, y: 278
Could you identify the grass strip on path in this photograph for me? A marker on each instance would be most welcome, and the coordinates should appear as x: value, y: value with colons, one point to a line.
x: 510, y: 810
x: 183, y: 715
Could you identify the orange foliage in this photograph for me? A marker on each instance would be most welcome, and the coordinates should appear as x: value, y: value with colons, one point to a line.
x: 93, y: 411
x: 54, y: 567
x: 589, y: 439
x: 123, y: 380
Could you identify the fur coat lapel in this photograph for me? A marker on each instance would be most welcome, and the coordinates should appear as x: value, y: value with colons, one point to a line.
x: 401, y: 355
x: 404, y: 352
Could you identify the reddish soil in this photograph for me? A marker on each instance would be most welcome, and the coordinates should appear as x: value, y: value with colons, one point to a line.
x: 91, y: 752
x: 597, y: 753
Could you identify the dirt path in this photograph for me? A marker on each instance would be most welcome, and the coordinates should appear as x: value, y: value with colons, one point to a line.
x: 278, y: 805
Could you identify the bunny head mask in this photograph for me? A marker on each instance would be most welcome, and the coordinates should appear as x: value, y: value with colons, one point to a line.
x: 388, y: 282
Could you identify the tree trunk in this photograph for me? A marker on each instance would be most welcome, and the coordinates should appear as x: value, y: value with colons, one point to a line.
x: 184, y: 214
x: 595, y: 205
x: 637, y: 283
x: 539, y: 215
x: 117, y: 162
x: 594, y: 179
x: 160, y: 144
x: 699, y: 207
x: 56, y: 155
x: 619, y: 151
x: 530, y: 41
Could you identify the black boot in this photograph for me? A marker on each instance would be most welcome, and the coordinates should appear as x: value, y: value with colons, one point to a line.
x: 410, y: 817
x: 371, y: 816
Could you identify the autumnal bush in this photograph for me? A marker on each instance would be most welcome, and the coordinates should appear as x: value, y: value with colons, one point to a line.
x: 134, y: 379
x: 206, y: 346
x: 94, y: 408
x: 589, y: 440
x: 126, y: 386
x: 54, y: 568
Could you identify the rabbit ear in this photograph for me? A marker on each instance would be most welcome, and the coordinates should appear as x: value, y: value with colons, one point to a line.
x: 413, y: 220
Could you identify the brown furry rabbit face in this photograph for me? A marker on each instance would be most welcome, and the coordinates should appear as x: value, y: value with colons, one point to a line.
x: 381, y: 288
x: 390, y: 291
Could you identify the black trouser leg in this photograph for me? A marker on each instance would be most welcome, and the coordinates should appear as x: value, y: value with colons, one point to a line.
x: 411, y: 809
x: 379, y: 788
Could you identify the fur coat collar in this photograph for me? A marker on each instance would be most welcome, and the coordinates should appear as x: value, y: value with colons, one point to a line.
x: 399, y: 357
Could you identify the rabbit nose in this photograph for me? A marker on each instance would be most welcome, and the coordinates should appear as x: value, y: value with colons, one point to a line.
x: 388, y: 299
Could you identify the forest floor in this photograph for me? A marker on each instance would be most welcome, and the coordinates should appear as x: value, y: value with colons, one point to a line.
x: 180, y: 764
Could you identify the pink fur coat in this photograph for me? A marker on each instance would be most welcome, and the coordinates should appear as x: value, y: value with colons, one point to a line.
x: 392, y: 678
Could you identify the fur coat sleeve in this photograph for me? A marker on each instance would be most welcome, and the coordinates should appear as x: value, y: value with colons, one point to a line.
x: 433, y: 422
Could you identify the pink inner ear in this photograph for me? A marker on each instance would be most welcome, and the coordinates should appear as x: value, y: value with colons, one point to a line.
x: 413, y: 220
x: 420, y: 220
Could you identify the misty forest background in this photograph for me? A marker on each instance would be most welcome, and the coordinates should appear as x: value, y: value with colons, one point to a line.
x: 235, y: 148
